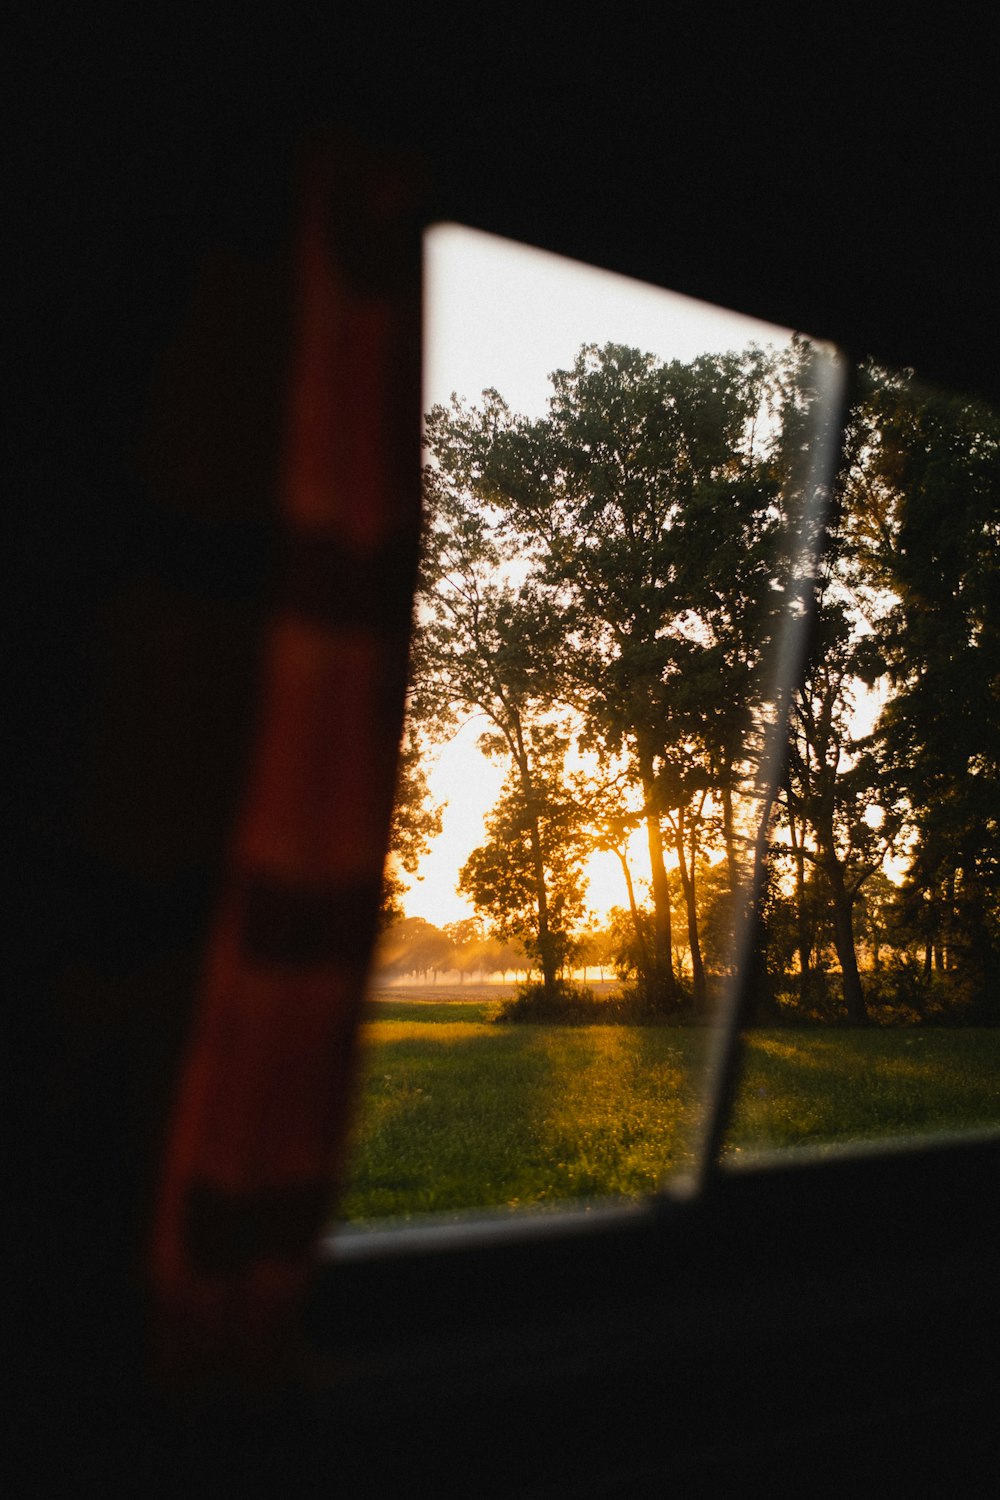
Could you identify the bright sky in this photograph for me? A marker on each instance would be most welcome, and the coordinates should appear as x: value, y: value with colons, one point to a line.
x: 498, y: 314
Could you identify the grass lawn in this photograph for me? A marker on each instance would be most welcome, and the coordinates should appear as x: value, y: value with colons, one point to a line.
x: 456, y: 1113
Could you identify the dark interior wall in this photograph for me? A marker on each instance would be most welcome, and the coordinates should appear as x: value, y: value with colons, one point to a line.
x: 840, y: 183
x: 836, y: 180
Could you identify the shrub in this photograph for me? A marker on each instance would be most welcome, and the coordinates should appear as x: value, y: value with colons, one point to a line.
x: 576, y: 1005
x: 640, y: 1005
x: 570, y: 1004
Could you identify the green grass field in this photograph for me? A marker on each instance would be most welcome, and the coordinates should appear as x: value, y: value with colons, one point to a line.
x: 457, y: 1114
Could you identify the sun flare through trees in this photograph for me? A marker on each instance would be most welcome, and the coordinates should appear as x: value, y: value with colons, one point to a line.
x: 603, y: 590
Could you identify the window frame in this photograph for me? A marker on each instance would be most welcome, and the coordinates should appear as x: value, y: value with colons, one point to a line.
x: 867, y: 1265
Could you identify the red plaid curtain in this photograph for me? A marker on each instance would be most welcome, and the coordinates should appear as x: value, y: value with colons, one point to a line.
x: 264, y: 1092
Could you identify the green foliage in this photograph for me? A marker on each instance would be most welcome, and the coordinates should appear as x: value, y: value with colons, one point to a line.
x: 904, y: 994
x: 530, y: 865
x: 928, y: 520
x: 640, y: 1003
x: 629, y: 939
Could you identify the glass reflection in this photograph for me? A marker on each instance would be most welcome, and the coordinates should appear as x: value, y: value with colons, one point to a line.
x: 876, y: 1000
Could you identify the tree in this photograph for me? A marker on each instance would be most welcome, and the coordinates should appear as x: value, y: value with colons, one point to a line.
x: 630, y: 559
x: 527, y: 876
x: 413, y: 945
x: 720, y: 909
x: 650, y: 494
x: 467, y: 942
x: 491, y: 647
x: 628, y: 936
x: 878, y: 916
x: 832, y: 785
x: 926, y: 507
x: 611, y: 831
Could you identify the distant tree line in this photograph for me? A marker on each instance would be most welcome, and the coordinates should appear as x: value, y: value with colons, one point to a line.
x: 605, y: 588
x: 411, y: 948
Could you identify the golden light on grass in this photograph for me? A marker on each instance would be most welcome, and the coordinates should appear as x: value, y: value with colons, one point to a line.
x: 459, y: 1115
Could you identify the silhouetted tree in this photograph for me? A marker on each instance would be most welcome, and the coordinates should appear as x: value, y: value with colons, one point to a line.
x: 649, y: 497
x: 490, y: 646
x: 527, y: 876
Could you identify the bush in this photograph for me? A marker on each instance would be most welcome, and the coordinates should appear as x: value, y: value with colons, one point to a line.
x: 576, y: 1005
x: 570, y: 1004
x: 902, y: 994
x: 640, y: 1006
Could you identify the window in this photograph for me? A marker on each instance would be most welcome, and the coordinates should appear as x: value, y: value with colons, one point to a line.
x: 831, y: 1321
x: 630, y: 541
x: 883, y: 903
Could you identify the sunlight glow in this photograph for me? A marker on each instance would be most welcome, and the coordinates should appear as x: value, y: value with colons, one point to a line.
x: 503, y: 315
x: 468, y: 783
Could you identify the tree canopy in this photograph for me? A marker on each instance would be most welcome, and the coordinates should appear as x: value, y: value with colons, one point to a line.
x: 607, y: 584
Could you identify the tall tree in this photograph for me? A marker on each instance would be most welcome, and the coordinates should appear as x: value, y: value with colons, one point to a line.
x: 655, y: 510
x: 831, y: 783
x: 650, y: 493
x: 490, y: 645
x: 527, y: 876
x: 933, y: 464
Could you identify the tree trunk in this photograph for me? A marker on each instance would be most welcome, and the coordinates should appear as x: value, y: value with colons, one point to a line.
x: 662, y: 972
x: 546, y: 947
x: 546, y: 953
x: 663, y: 988
x: 686, y: 872
x: 803, y: 927
x: 843, y: 939
x: 642, y: 947
x: 729, y: 836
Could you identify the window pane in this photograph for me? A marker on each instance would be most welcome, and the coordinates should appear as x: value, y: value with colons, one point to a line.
x: 624, y: 492
x: 878, y: 1000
